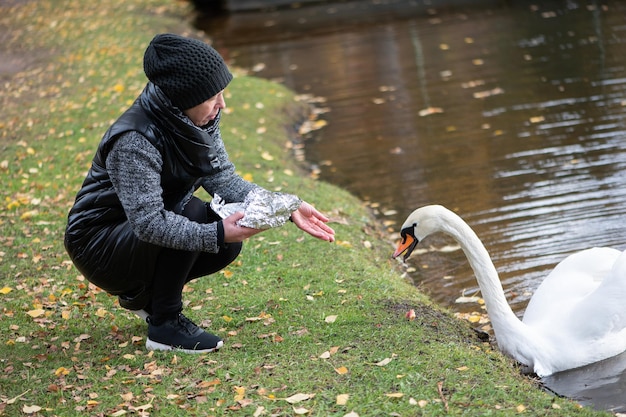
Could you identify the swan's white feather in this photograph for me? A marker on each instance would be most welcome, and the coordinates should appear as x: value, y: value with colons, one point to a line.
x: 576, y: 317
x: 569, y: 283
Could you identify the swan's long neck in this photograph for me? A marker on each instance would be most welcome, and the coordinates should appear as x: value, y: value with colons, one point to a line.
x: 505, y: 323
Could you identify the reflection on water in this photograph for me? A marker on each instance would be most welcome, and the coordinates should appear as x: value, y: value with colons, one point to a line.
x: 512, y: 115
x: 603, y: 383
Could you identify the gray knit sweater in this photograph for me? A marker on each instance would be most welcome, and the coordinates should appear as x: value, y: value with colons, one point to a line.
x: 134, y: 166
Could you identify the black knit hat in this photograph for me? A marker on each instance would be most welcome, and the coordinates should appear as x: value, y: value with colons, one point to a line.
x: 188, y: 70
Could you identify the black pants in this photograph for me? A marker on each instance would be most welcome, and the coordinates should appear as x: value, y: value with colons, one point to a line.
x: 175, y: 268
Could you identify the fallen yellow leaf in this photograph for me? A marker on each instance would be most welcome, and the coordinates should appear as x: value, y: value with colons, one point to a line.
x: 36, y: 312
x: 473, y: 319
x: 342, y: 370
x: 5, y: 290
x: 342, y: 399
x: 61, y: 371
x: 240, y: 392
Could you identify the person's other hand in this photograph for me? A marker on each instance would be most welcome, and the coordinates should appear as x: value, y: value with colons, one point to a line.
x: 313, y: 222
x: 235, y: 233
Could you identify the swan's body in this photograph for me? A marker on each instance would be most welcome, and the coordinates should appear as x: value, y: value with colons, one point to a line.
x: 576, y: 317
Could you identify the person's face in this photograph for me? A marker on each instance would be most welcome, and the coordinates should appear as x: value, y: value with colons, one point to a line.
x: 206, y: 111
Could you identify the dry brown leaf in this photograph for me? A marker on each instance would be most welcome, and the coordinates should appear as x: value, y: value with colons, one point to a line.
x: 296, y: 398
x: 127, y: 396
x: 430, y: 110
x: 330, y: 319
x: 143, y: 407
x: 207, y: 384
x: 383, y: 362
x: 14, y: 399
x: 31, y: 409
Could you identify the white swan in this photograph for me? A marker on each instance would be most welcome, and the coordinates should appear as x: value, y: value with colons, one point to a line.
x: 576, y: 317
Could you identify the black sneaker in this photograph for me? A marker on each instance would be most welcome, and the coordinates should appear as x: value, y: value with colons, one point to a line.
x: 181, y: 334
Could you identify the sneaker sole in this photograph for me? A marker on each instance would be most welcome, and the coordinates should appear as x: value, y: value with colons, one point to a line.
x: 152, y: 345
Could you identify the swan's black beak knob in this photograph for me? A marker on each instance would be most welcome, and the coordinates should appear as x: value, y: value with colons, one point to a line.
x: 407, y: 244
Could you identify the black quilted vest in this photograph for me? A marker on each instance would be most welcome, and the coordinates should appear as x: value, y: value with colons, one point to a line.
x: 97, y: 215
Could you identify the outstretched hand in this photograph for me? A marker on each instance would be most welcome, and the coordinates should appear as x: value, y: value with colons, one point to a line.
x: 313, y: 222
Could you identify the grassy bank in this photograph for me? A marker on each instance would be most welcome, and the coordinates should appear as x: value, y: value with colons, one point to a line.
x: 310, y: 328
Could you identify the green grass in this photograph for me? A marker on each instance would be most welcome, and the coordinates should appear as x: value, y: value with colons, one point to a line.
x: 299, y: 316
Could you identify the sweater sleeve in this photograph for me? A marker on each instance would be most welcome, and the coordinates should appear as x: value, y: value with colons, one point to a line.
x: 134, y: 166
x: 225, y: 181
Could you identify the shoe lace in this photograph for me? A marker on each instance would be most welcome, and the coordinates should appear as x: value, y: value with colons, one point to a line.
x: 187, y: 324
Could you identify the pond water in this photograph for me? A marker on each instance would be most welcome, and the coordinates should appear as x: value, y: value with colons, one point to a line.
x: 511, y: 114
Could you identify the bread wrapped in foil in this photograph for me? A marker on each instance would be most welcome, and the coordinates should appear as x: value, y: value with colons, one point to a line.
x: 262, y: 209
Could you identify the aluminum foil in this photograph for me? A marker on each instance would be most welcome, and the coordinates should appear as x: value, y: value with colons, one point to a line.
x: 262, y: 209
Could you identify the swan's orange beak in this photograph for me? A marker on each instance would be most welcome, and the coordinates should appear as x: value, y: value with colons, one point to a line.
x: 407, y: 244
